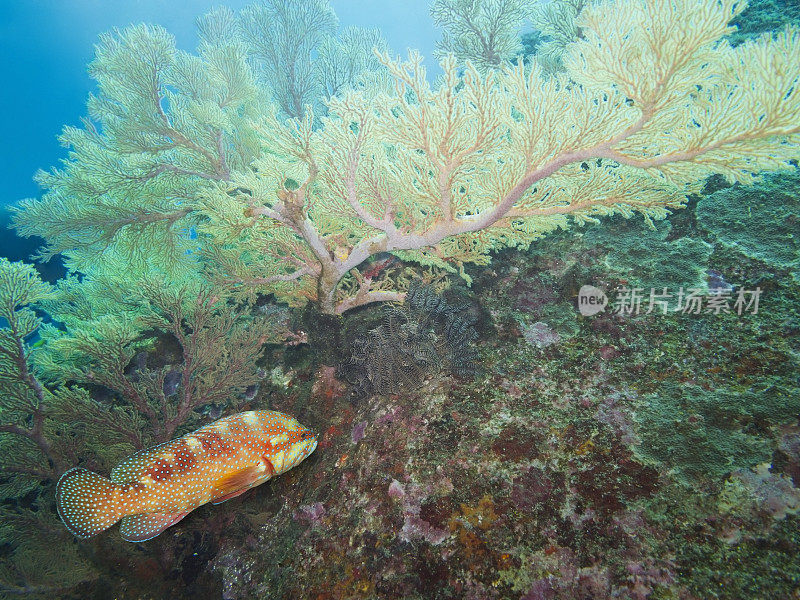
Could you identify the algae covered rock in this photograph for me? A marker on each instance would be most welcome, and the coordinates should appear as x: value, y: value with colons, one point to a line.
x: 701, y: 433
x: 762, y: 16
x: 762, y: 221
x: 647, y: 257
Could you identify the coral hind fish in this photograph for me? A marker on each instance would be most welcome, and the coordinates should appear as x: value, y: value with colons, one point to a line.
x: 156, y: 488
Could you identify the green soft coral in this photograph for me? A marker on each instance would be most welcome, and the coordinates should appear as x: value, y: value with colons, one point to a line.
x: 23, y: 405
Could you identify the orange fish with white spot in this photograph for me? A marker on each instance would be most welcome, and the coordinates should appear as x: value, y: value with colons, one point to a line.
x: 156, y: 488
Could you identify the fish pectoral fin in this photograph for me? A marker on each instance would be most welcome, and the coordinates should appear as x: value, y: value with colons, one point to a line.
x: 239, y: 482
x: 226, y: 497
x: 140, y: 528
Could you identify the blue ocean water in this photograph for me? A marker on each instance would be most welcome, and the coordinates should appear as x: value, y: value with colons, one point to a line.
x: 45, y: 46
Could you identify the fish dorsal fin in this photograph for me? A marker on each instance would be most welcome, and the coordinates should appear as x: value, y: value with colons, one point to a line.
x: 140, y: 528
x: 240, y: 481
x: 133, y: 467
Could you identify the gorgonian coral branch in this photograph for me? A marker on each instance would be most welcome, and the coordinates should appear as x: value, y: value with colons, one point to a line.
x: 651, y: 101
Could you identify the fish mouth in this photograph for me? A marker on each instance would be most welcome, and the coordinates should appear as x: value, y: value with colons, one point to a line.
x: 309, y: 440
x: 308, y: 434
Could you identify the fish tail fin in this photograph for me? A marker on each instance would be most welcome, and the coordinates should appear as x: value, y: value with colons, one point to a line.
x: 84, y: 502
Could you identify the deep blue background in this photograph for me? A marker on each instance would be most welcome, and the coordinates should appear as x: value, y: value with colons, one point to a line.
x: 45, y: 46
